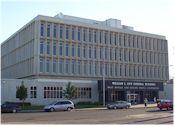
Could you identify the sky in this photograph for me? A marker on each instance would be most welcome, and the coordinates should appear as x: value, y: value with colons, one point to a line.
x: 152, y: 16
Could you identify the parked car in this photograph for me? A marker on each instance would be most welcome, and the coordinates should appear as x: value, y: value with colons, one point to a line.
x: 119, y: 104
x: 60, y: 105
x: 165, y: 104
x: 10, y: 107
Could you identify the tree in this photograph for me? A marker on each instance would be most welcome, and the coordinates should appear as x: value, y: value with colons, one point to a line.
x: 21, y: 92
x: 70, y: 92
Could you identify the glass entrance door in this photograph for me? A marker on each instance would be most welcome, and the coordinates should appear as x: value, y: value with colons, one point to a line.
x: 133, y: 98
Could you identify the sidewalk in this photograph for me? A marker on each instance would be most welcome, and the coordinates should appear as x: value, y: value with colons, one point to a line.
x: 100, y: 108
x: 132, y: 106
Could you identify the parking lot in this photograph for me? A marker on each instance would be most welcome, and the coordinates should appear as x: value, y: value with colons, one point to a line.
x: 94, y: 116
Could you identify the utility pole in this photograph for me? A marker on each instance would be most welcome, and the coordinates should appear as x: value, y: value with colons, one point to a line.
x: 104, y: 83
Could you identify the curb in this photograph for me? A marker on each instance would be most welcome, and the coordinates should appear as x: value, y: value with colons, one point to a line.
x: 83, y: 109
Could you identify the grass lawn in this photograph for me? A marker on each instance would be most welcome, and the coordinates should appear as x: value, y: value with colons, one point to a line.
x: 33, y: 107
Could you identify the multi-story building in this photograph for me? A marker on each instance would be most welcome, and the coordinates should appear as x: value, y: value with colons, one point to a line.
x: 67, y: 48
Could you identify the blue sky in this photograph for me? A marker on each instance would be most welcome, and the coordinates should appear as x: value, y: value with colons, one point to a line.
x: 153, y: 16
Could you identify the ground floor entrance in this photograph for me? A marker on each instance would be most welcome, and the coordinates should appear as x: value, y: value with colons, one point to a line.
x: 133, y: 92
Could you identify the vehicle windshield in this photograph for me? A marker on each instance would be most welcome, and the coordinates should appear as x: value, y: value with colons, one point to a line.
x: 53, y: 103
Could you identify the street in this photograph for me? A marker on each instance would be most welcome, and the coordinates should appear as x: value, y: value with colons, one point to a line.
x: 94, y: 116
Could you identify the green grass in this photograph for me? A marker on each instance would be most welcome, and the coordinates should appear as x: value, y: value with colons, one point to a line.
x: 33, y: 107
x: 88, y: 105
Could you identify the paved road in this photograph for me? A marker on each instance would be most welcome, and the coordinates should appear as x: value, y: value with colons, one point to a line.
x: 119, y: 116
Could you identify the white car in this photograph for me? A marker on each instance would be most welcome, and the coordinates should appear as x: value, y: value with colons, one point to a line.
x: 60, y: 105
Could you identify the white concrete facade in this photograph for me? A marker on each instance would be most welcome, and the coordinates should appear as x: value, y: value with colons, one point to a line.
x: 77, y: 49
x: 9, y: 87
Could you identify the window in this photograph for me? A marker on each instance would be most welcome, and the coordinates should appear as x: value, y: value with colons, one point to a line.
x: 115, y: 39
x: 42, y: 30
x: 53, y: 92
x: 79, y: 33
x: 78, y: 50
x: 48, y: 30
x: 54, y: 65
x: 73, y: 66
x: 106, y: 52
x: 111, y: 53
x: 48, y: 47
x: 116, y: 68
x: 84, y: 51
x: 125, y: 53
x: 33, y: 90
x: 61, y: 66
x: 110, y: 39
x: 67, y: 32
x: 85, y: 67
x: 41, y: 65
x: 78, y: 66
x: 116, y: 53
x: 95, y: 52
x: 84, y: 92
x: 95, y: 36
x: 101, y: 68
x: 90, y: 35
x: 84, y: 34
x: 67, y: 49
x: 125, y: 68
x: 67, y: 66
x: 111, y: 69
x: 120, y: 54
x: 130, y: 71
x: 41, y: 47
x: 120, y: 70
x: 61, y: 49
x: 105, y: 37
x: 61, y: 31
x: 101, y: 53
x: 125, y: 39
x: 101, y: 36
x: 73, y: 33
x: 96, y: 65
x: 54, y: 31
x: 73, y: 50
x: 120, y: 39
x: 106, y: 69
x: 90, y: 52
x: 90, y: 68
x: 48, y: 65
x: 54, y: 48
x: 129, y: 40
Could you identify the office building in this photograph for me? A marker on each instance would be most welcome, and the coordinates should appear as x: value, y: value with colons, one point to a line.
x: 60, y: 49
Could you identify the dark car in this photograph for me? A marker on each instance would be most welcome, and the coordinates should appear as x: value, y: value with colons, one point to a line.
x: 165, y: 104
x: 118, y: 104
x: 10, y: 107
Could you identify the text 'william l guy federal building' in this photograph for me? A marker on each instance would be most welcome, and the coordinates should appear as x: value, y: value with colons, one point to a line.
x: 49, y: 52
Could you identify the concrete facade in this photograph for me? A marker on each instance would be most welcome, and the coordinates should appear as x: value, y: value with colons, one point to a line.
x: 144, y: 56
x: 72, y: 48
x: 10, y: 85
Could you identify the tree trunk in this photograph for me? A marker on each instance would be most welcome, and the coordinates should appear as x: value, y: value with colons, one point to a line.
x: 23, y: 103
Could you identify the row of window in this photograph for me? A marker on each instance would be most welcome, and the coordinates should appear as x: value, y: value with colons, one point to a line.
x: 109, y: 53
x: 53, y: 92
x: 93, y: 35
x: 57, y: 92
x: 111, y: 69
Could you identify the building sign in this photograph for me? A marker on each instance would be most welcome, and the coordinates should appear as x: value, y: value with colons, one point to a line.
x: 131, y: 85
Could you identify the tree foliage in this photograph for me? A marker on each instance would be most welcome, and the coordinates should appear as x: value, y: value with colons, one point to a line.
x: 70, y: 92
x: 21, y: 92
